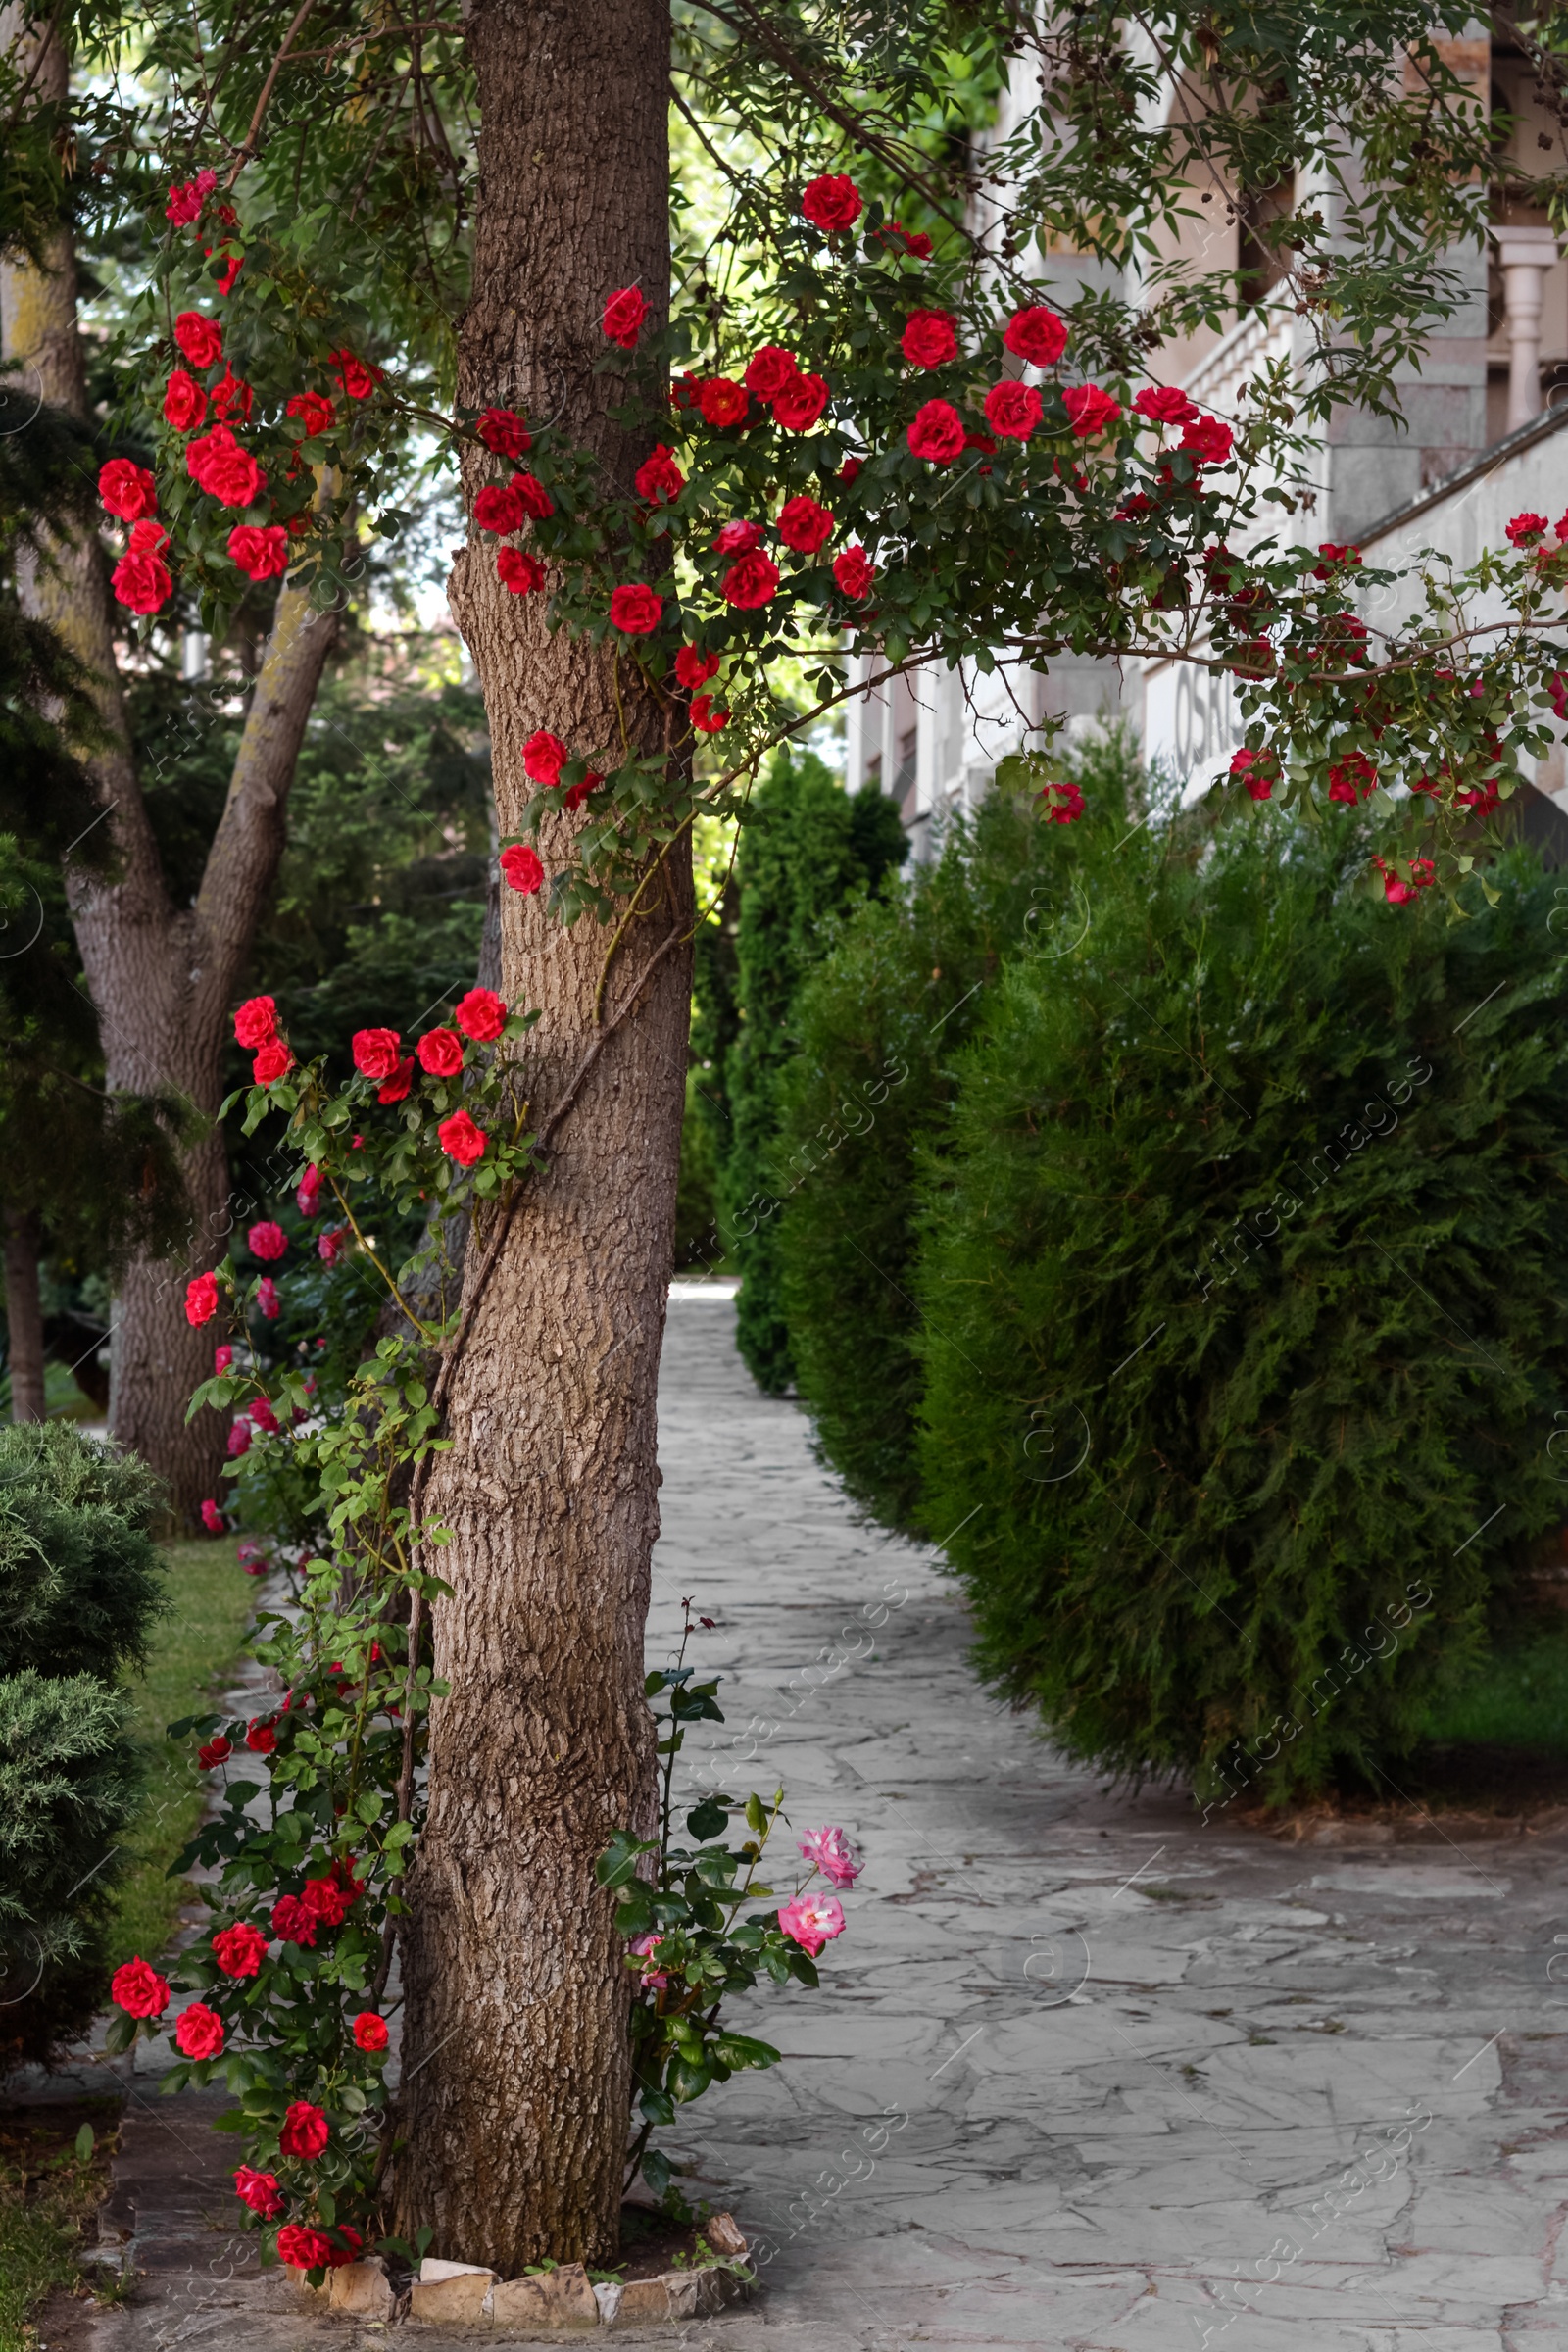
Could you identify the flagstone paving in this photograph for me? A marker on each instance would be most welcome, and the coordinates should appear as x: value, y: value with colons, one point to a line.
x: 1085, y: 2073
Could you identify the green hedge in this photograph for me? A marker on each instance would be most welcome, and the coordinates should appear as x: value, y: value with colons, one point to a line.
x: 881, y: 1024
x: 1219, y: 1276
x: 808, y: 850
x: 80, y: 1584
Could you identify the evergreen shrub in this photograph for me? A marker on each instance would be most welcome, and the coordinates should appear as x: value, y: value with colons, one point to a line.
x: 81, y: 1585
x: 807, y: 850
x: 1241, y: 1280
x: 880, y: 1024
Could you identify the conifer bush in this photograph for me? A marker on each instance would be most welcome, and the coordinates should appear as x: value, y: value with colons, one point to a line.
x: 880, y: 1024
x: 1241, y: 1278
x: 809, y: 848
x: 80, y: 1584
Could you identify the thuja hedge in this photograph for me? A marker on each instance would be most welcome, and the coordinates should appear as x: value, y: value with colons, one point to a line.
x: 880, y: 1026
x: 1238, y: 1267
x: 807, y: 851
x: 80, y: 1584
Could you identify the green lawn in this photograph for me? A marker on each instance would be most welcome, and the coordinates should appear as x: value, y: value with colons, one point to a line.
x: 193, y: 1651
x: 1519, y: 1699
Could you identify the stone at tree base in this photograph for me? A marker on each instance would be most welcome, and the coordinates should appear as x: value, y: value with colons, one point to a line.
x: 361, y: 2289
x: 724, y: 2235
x: 453, y: 2291
x: 560, y: 2298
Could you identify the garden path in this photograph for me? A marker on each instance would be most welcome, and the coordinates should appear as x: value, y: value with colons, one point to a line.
x: 1085, y: 2074
x: 1167, y: 2085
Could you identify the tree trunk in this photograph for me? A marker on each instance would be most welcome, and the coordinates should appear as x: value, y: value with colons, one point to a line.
x: 516, y: 2094
x: 24, y: 1315
x: 161, y: 978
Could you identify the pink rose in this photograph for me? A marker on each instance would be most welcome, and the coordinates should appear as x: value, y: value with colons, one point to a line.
x: 833, y: 1854
x: 641, y: 1946
x: 267, y: 1299
x: 267, y: 1240
x: 211, y: 1517
x: 812, y: 1920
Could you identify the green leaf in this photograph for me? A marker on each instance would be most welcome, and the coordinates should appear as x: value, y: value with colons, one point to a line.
x: 658, y: 2106
x: 85, y: 2144
x: 755, y: 1814
x: 706, y: 1820
x: 739, y: 2049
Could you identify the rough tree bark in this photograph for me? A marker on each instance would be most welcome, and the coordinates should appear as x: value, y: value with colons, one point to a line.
x: 163, y: 979
x: 24, y: 1315
x: 517, y: 2099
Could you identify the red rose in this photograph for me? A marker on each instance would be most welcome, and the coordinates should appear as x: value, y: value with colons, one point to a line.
x: 721, y: 400
x: 739, y: 538
x: 937, y: 432
x: 804, y: 525
x: 769, y: 371
x: 369, y: 2030
x: 240, y: 1951
x: 504, y: 431
x: 534, y: 498
x: 930, y: 338
x: 294, y: 1922
x: 267, y: 1298
x: 129, y: 491
x: 184, y: 402
x: 231, y: 396
x: 200, y: 339
x: 440, y: 1052
x: 1347, y: 554
x: 227, y: 472
x: 481, y: 1014
x: 355, y: 377
x: 326, y: 1901
x: 138, y: 1989
x: 692, y: 670
x: 624, y: 318
x: 853, y: 570
x: 521, y: 868
x: 498, y: 508
x: 831, y: 203
x: 1522, y: 531
x: 216, y: 1751
x: 1352, y: 778
x: 659, y: 476
x: 260, y: 1738
x: 228, y: 274
x: 1209, y: 440
x: 308, y: 1194
x: 462, y: 1140
x: 256, y: 1022
x: 544, y: 755
x: 1037, y: 335
x: 1089, y: 408
x: 520, y: 571
x: 1063, y: 802
x: 704, y: 718
x: 187, y: 198
x: 1162, y: 404
x: 239, y: 1443
x: 267, y: 1240
x: 752, y: 582
x: 1013, y: 408
x: 375, y: 1051
x: 201, y: 1298
x: 261, y: 552
x: 314, y: 412
x: 274, y: 1061
x: 200, y: 2032
x: 260, y: 2192
x: 578, y: 793
x: 141, y: 583
x: 397, y: 1085
x: 331, y: 1246
x: 304, y: 2249
x: 1258, y: 771
x: 799, y: 405
x: 635, y: 609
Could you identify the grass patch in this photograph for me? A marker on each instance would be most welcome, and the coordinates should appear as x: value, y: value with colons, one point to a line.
x: 53, y: 2174
x: 1518, y: 1700
x: 192, y: 1655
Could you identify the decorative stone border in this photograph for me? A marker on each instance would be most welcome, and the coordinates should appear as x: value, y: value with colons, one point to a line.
x: 465, y: 2294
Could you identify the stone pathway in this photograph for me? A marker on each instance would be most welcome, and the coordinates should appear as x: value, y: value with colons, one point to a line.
x: 1083, y: 2073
